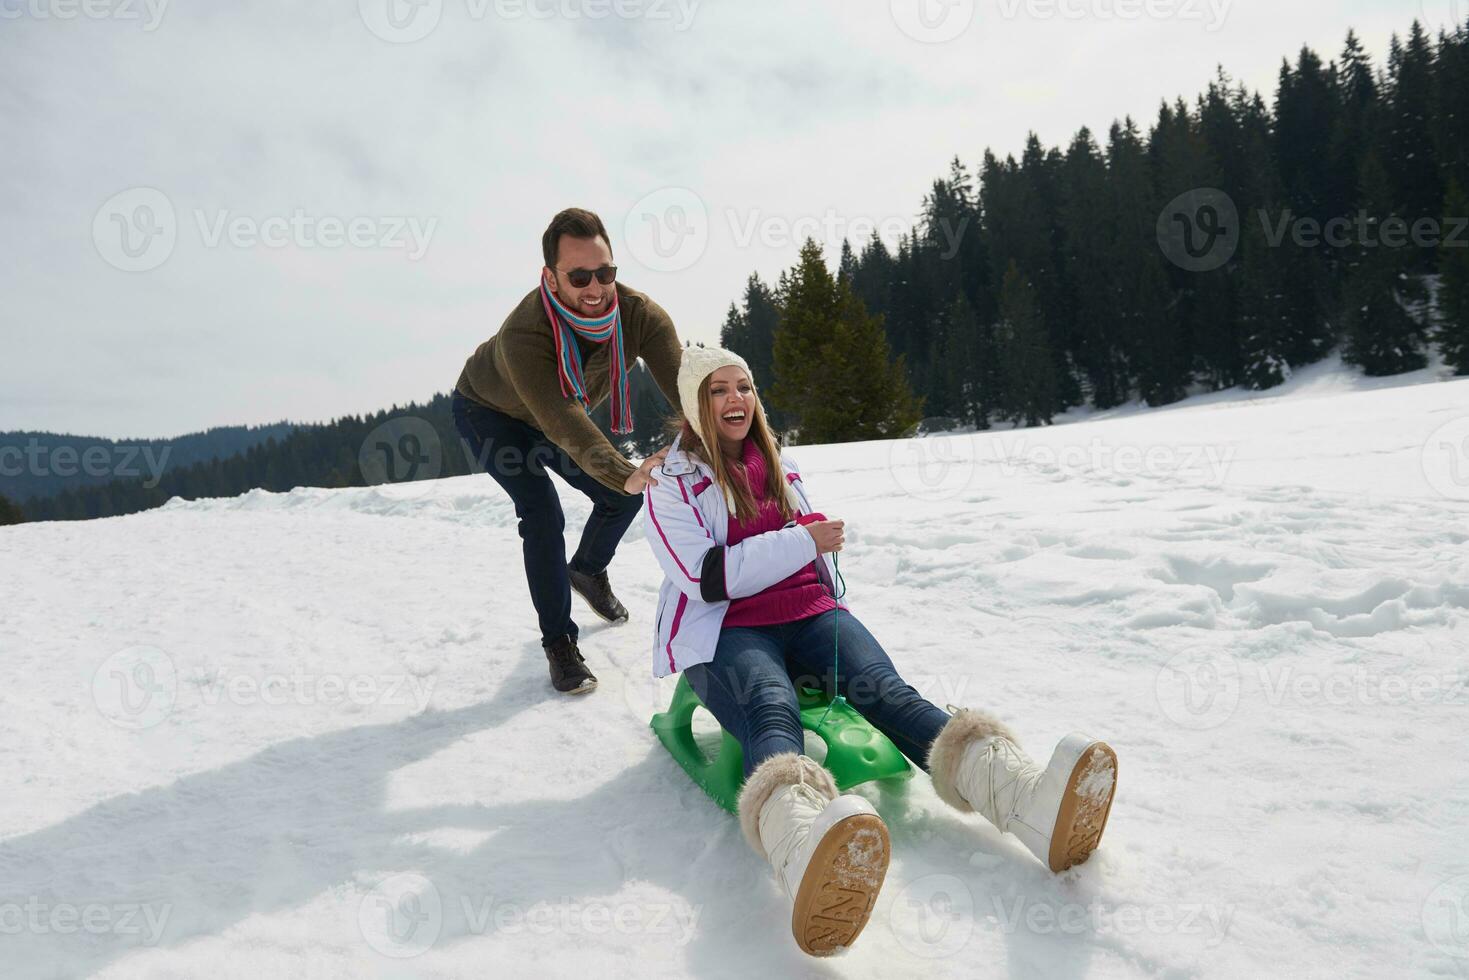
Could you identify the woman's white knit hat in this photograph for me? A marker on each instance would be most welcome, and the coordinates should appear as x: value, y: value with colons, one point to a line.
x: 697, y: 364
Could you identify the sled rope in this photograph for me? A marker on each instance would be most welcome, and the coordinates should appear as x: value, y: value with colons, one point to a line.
x: 836, y: 653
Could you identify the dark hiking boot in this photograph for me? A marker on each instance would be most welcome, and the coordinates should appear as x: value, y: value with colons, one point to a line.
x: 569, y: 673
x: 597, y: 592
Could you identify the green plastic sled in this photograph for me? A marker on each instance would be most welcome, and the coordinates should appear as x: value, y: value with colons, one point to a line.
x: 855, y: 751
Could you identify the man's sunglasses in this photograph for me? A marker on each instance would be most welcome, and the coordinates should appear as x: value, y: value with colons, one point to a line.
x: 582, y: 278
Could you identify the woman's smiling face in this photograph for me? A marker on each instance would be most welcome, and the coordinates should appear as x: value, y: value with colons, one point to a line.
x: 732, y: 396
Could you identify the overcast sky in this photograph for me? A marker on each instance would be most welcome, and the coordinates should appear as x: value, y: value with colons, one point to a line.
x: 220, y: 213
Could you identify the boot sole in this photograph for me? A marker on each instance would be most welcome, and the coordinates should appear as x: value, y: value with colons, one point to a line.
x: 618, y: 621
x: 585, y: 688
x: 1084, y: 807
x: 841, y: 883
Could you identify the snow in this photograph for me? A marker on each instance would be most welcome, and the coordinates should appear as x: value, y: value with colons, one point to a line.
x: 311, y: 734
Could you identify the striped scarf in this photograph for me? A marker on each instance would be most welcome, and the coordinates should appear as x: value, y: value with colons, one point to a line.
x: 564, y: 324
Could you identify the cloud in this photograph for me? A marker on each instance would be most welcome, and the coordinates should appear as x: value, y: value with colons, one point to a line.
x: 775, y: 115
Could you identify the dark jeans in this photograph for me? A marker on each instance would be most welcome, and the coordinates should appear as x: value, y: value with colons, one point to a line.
x: 518, y: 456
x: 750, y: 688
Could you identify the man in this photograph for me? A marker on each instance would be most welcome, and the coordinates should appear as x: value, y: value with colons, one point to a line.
x: 522, y: 407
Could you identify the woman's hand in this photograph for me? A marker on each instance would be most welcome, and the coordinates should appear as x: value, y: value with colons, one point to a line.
x: 828, y: 535
x: 642, y: 477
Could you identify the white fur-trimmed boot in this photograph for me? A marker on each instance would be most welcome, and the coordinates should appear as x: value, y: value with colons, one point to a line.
x: 829, y: 852
x: 1059, y: 812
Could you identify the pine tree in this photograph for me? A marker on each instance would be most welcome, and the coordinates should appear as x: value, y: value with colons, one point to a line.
x: 1088, y: 229
x: 833, y: 371
x: 9, y: 512
x: 1450, y: 108
x: 1357, y: 101
x: 1453, y: 291
x: 1382, y: 336
x: 1027, y: 365
x: 1408, y: 151
x: 1305, y: 111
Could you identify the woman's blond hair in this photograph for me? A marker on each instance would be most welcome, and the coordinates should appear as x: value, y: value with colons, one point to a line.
x: 735, y: 488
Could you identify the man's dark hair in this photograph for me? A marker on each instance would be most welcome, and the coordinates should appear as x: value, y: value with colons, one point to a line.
x: 576, y: 222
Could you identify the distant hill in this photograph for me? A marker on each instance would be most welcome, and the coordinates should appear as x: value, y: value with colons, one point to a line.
x: 401, y: 444
x: 44, y: 464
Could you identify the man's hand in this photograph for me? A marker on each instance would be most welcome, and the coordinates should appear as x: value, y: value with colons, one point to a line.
x: 642, y: 477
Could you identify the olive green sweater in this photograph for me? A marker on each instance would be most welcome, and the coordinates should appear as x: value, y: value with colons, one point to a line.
x: 514, y: 372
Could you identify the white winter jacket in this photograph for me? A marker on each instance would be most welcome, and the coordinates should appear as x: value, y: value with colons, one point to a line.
x: 687, y: 524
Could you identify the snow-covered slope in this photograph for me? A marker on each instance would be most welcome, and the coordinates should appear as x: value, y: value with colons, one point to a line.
x: 311, y: 735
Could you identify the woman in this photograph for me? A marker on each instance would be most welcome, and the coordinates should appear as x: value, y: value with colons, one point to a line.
x: 747, y: 603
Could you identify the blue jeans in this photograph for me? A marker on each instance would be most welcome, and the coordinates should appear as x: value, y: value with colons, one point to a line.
x: 750, y: 686
x: 518, y: 456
